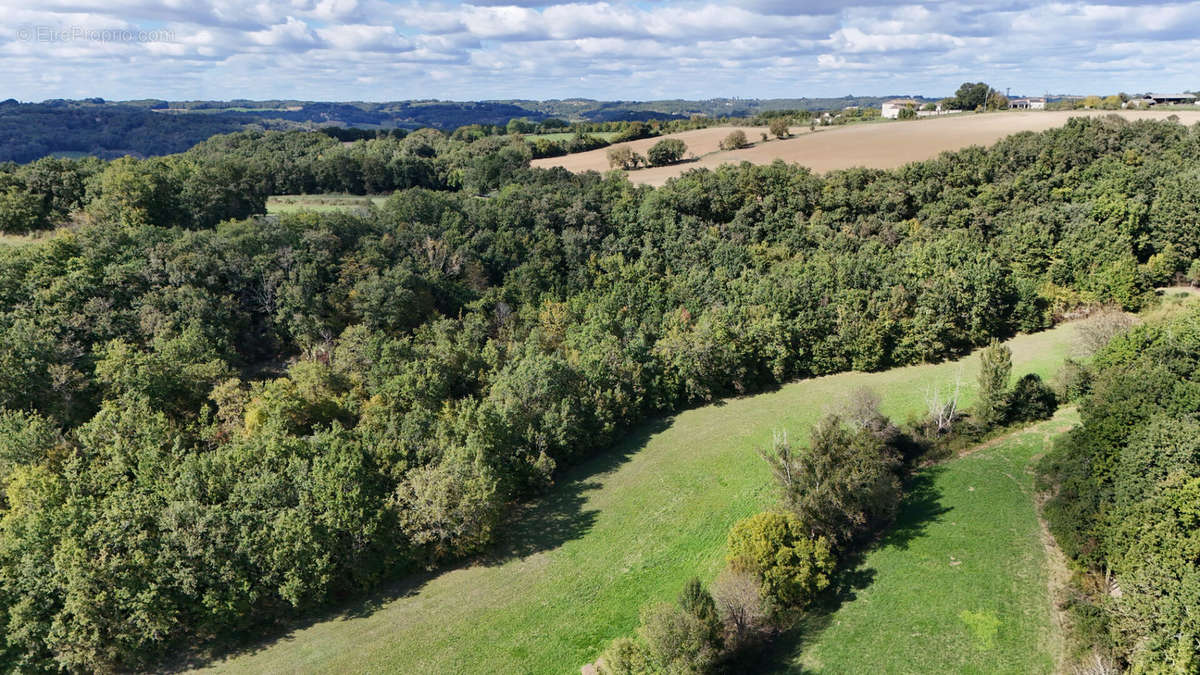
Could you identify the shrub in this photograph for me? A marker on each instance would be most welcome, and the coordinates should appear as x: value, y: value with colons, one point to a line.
x: 666, y: 151
x: 1071, y: 382
x: 779, y: 127
x: 1031, y: 399
x: 790, y: 565
x: 676, y: 640
x: 623, y: 657
x: 735, y: 140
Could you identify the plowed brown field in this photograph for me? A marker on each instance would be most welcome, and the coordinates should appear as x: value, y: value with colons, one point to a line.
x: 882, y: 145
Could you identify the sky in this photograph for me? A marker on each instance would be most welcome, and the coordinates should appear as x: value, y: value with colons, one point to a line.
x: 379, y: 50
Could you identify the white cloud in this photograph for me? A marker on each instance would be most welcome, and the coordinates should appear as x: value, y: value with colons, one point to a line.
x: 375, y: 49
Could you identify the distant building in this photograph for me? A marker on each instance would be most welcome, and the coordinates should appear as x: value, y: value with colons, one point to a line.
x: 1171, y: 99
x: 1028, y: 103
x: 891, y: 109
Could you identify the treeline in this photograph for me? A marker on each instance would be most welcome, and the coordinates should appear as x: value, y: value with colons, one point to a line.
x: 210, y: 430
x: 153, y: 127
x: 1126, y: 500
x: 231, y: 176
x: 33, y: 130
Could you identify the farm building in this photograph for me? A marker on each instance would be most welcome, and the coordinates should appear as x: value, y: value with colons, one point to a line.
x: 891, y: 109
x: 1028, y: 103
x: 1171, y: 99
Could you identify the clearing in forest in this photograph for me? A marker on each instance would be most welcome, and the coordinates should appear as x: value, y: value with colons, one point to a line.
x: 959, y: 585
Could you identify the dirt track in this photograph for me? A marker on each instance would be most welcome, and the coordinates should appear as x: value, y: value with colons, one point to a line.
x: 877, y: 145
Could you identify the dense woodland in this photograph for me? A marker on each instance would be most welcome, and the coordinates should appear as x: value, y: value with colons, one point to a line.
x: 1126, y: 503
x: 215, y: 420
x: 153, y: 127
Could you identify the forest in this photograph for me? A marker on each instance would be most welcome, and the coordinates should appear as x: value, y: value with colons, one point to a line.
x: 155, y: 127
x: 1126, y: 498
x: 215, y: 420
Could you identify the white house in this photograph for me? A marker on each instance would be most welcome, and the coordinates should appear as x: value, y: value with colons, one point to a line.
x: 1027, y: 104
x: 891, y: 109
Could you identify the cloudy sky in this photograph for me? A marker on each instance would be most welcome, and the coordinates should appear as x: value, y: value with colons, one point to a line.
x: 387, y: 50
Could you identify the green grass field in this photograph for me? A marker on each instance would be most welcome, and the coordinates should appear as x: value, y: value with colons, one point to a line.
x: 622, y: 530
x: 960, y: 585
x: 281, y: 204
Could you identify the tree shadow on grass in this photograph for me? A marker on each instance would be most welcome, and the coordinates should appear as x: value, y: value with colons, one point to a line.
x: 920, y: 507
x: 543, y: 523
x: 550, y: 520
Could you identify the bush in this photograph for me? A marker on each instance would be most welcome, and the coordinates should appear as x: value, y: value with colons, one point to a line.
x: 791, y: 566
x: 625, y: 656
x: 667, y: 151
x: 1071, y: 382
x: 676, y: 640
x: 735, y: 140
x: 779, y: 127
x: 1031, y: 399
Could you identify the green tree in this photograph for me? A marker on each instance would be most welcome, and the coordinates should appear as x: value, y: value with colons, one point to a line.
x: 697, y: 601
x: 790, y: 564
x: 137, y: 192
x: 995, y: 368
x: 667, y: 151
x: 971, y: 96
x: 520, y: 125
x: 20, y: 211
x: 843, y: 485
x: 449, y: 510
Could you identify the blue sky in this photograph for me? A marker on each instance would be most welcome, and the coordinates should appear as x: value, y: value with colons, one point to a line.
x: 377, y: 50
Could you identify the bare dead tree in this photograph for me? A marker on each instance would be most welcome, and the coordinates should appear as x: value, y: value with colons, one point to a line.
x: 739, y: 601
x: 782, y: 459
x: 943, y: 405
x: 861, y: 409
x: 1104, y: 324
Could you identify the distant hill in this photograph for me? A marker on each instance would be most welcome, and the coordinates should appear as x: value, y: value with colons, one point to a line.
x: 157, y: 127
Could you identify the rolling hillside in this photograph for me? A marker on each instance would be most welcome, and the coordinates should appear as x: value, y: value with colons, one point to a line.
x: 621, y: 530
x: 877, y: 145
